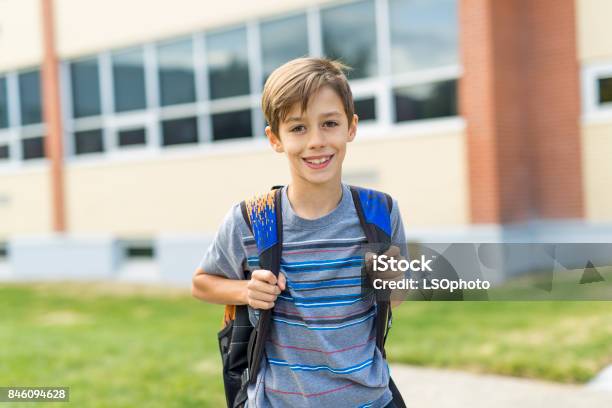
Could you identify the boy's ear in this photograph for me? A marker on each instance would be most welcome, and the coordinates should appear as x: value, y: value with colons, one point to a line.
x: 274, y: 140
x: 353, y: 128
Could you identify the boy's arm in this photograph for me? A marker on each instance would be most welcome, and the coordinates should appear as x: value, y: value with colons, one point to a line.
x: 259, y: 292
x: 219, y: 277
x: 218, y: 289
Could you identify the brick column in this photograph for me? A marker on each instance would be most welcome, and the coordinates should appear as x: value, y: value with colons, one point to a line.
x: 519, y: 95
x: 53, y: 116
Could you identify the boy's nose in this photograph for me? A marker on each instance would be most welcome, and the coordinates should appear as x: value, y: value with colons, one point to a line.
x: 317, y: 139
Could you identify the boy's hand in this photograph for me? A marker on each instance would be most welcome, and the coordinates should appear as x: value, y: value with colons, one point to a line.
x: 263, y: 288
x: 390, y: 274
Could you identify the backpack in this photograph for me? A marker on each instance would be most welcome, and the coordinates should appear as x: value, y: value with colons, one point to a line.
x: 241, y: 345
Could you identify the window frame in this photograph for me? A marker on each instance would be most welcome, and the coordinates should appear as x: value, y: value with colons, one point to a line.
x: 592, y: 110
x: 380, y: 86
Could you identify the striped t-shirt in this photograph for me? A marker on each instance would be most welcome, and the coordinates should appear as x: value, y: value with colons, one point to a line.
x: 321, y: 349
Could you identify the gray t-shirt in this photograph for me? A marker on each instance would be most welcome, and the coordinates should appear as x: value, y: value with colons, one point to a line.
x: 321, y: 347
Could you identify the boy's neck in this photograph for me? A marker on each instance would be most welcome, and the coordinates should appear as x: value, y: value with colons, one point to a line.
x: 311, y: 201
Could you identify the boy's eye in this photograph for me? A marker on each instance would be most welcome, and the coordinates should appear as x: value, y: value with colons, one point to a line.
x: 298, y: 128
x: 331, y: 123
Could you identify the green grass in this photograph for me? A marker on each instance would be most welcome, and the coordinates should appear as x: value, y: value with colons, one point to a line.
x: 128, y: 346
x: 559, y: 341
x: 114, y: 349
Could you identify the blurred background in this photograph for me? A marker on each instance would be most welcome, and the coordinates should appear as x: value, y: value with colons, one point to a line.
x: 128, y: 129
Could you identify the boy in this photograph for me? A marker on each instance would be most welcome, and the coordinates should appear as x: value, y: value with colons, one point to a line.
x: 321, y: 346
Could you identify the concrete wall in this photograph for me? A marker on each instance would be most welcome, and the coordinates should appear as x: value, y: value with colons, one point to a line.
x: 427, y: 174
x: 597, y: 163
x: 20, y: 34
x: 85, y: 27
x: 24, y: 202
x: 594, y: 30
x: 595, y: 46
x: 116, y: 23
x: 192, y: 193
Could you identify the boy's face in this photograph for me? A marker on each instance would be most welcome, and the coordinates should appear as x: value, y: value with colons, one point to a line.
x: 315, y: 140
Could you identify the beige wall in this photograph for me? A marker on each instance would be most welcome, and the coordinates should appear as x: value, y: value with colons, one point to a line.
x: 595, y: 45
x: 84, y: 27
x: 140, y: 199
x: 426, y: 174
x: 594, y: 30
x: 25, y: 202
x: 90, y: 26
x: 20, y: 34
x: 597, y: 164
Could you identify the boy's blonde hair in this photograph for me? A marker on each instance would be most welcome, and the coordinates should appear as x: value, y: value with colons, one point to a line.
x: 296, y: 81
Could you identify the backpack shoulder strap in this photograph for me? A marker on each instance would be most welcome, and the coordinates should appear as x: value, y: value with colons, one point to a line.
x: 263, y: 215
x: 374, y: 212
x: 259, y: 212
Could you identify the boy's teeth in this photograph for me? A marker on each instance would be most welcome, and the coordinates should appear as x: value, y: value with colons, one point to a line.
x: 318, y: 161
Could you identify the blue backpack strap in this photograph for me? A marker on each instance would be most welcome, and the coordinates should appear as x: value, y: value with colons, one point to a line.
x: 374, y: 212
x: 259, y: 213
x: 263, y: 215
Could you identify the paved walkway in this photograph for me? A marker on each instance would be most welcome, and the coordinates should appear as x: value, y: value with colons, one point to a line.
x: 428, y: 387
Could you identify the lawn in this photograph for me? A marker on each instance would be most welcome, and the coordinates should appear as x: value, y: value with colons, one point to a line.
x: 131, y: 346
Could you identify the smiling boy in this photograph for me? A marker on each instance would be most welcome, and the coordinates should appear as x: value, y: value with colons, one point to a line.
x: 321, y: 347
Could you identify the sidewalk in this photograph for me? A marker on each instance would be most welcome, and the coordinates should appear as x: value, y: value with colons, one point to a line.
x: 441, y: 388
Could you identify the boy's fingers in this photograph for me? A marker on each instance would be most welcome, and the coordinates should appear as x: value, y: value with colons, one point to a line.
x: 393, y: 251
x: 262, y: 296
x: 258, y: 304
x: 264, y: 275
x: 369, y: 259
x: 263, y: 286
x: 282, y: 281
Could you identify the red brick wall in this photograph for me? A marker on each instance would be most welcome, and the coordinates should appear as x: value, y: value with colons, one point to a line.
x: 519, y: 95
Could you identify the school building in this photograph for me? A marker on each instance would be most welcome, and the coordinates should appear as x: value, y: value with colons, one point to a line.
x: 131, y: 127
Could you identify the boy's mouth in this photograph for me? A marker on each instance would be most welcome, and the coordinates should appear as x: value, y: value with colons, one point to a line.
x: 317, y: 162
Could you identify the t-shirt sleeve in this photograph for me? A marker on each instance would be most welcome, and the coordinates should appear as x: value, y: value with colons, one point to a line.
x: 226, y: 255
x: 398, y: 237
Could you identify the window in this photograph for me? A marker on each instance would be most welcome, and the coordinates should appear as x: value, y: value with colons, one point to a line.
x: 605, y: 90
x: 29, y: 97
x: 85, y: 88
x: 426, y: 101
x: 138, y: 249
x: 3, y: 104
x: 405, y: 70
x: 176, y: 76
x: 132, y: 137
x: 179, y: 131
x: 129, y: 80
x: 4, y: 152
x: 232, y: 125
x: 282, y: 41
x: 365, y: 109
x: 355, y: 47
x: 89, y: 141
x: 423, y: 34
x: 33, y: 148
x: 228, y: 67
